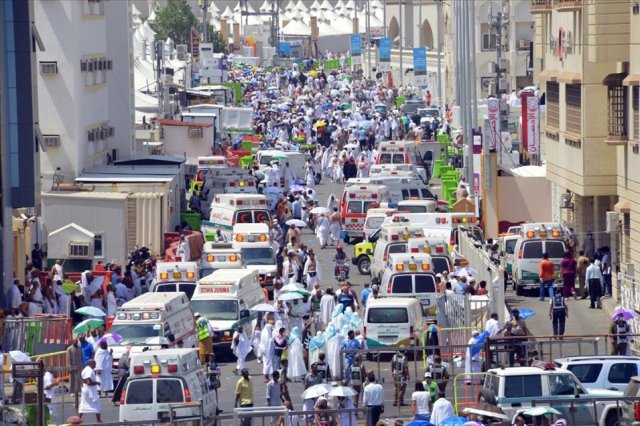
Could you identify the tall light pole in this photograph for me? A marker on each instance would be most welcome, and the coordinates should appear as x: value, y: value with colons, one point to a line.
x: 204, y: 4
x: 401, y: 27
x: 439, y: 37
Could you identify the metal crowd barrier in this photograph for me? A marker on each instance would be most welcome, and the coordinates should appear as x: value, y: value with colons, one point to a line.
x: 56, y: 363
x: 37, y: 335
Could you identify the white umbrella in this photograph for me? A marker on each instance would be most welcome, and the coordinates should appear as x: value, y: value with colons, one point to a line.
x: 540, y: 411
x: 19, y: 356
x: 156, y: 341
x: 345, y: 391
x: 289, y: 296
x: 296, y: 222
x: 319, y: 210
x: 485, y: 413
x: 316, y: 391
x: 263, y: 307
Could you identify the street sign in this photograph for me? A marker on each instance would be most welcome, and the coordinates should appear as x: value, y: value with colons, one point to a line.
x: 356, y: 49
x: 384, y: 54
x: 493, y: 114
x: 195, y: 44
x: 533, y: 125
x: 420, y: 66
x: 26, y: 370
x: 68, y: 287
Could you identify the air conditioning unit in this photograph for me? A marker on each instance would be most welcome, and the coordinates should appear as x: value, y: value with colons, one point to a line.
x: 195, y: 132
x: 91, y: 135
x: 79, y: 250
x: 181, y: 48
x: 182, y: 56
x: 488, y: 42
x: 51, y: 141
x: 612, y: 221
x: 523, y: 44
x: 49, y: 68
x: 487, y: 83
x: 565, y: 201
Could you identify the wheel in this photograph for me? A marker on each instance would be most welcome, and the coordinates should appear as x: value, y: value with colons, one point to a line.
x: 364, y: 265
x: 613, y: 418
x: 487, y: 395
x: 519, y: 290
x: 346, y: 239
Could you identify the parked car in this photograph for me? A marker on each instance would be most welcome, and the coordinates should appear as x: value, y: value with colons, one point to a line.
x: 602, y: 372
x: 631, y: 409
x: 515, y: 388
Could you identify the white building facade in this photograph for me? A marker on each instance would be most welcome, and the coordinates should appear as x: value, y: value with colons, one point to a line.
x: 85, y: 85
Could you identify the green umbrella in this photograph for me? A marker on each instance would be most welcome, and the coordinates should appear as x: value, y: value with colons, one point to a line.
x: 345, y: 106
x: 88, y: 324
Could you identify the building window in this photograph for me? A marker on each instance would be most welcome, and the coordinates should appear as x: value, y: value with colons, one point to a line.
x: 97, y: 246
x: 617, y: 122
x: 553, y: 105
x: 97, y: 137
x: 636, y: 113
x: 487, y: 38
x: 94, y: 70
x: 48, y: 68
x: 573, y: 97
x: 93, y: 8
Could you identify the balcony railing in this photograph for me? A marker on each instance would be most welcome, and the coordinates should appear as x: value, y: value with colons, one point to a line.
x: 540, y: 6
x: 567, y: 4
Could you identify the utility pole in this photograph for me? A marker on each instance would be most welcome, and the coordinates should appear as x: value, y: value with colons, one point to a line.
x: 439, y: 37
x: 499, y: 31
x: 204, y: 5
x: 401, y: 26
x: 368, y: 28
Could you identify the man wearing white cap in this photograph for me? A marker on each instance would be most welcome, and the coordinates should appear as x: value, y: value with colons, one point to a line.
x: 472, y: 362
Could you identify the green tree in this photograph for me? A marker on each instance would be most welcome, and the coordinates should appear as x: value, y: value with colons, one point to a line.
x: 215, y: 37
x: 175, y: 20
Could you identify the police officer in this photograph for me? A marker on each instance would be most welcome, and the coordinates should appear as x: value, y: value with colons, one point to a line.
x: 439, y: 373
x: 558, y: 312
x: 357, y: 377
x: 400, y: 371
x: 430, y: 386
x: 205, y: 343
x: 323, y: 368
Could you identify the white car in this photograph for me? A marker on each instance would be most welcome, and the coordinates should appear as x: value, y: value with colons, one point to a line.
x: 611, y: 372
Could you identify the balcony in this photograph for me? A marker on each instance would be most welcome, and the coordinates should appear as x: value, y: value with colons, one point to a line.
x: 541, y: 6
x: 567, y: 4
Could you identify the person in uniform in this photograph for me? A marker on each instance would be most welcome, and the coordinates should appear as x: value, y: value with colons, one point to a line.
x: 357, y: 378
x: 205, y: 343
x: 620, y: 330
x: 439, y: 373
x: 400, y: 371
x: 558, y: 312
x: 518, y: 328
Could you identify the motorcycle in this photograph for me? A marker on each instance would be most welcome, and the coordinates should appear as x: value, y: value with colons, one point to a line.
x: 341, y: 271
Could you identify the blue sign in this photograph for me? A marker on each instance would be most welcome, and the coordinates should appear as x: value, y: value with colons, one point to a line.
x: 419, y: 60
x: 356, y: 45
x: 384, y: 54
x: 284, y: 48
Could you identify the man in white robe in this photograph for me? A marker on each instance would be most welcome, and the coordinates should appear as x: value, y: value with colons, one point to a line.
x: 295, y: 366
x: 89, y: 401
x: 323, y: 229
x: 267, y: 350
x: 327, y: 305
x: 442, y: 410
x: 241, y: 347
x: 288, y: 175
x: 472, y: 363
x: 336, y: 226
x: 492, y: 326
x: 334, y: 359
x: 104, y: 363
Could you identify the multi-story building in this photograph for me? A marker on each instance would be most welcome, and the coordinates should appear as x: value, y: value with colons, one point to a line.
x: 85, y: 85
x: 581, y: 57
x: 18, y: 123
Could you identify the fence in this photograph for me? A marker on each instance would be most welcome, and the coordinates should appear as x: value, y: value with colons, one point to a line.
x: 487, y: 271
x: 629, y: 296
x: 39, y: 335
x: 462, y: 310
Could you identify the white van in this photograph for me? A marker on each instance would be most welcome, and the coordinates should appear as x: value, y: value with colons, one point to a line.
x: 225, y: 299
x: 393, y: 321
x: 375, y: 219
x: 296, y: 159
x: 151, y: 318
x: 253, y: 240
x: 228, y: 210
x: 411, y: 275
x: 393, y: 238
x: 175, y: 276
x: 537, y: 238
x: 160, y: 378
x: 219, y: 256
x: 438, y: 249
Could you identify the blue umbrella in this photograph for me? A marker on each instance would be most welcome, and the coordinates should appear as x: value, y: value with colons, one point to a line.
x: 326, y: 106
x: 283, y: 107
x: 420, y: 423
x: 526, y: 313
x: 454, y: 421
x: 479, y: 341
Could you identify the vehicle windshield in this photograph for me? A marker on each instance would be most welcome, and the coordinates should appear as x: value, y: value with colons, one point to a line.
x: 187, y: 288
x: 440, y: 264
x: 413, y: 106
x: 252, y: 216
x: 205, y: 272
x: 374, y: 222
x: 223, y: 310
x: 387, y: 316
x: 429, y: 112
x: 374, y: 237
x: 510, y: 245
x: 265, y: 159
x: 136, y: 333
x: 258, y: 256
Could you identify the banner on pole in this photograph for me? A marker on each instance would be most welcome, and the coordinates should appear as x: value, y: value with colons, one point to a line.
x: 533, y: 125
x: 356, y: 49
x: 384, y: 54
x: 493, y: 115
x: 195, y: 44
x: 420, y: 66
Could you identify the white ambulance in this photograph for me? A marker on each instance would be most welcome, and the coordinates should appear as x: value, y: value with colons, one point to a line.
x: 536, y: 239
x: 175, y: 277
x: 439, y: 251
x: 225, y: 299
x: 253, y: 240
x: 411, y: 275
x: 151, y: 319
x: 356, y: 200
x: 392, y: 152
x: 219, y: 256
x: 440, y: 225
x: 297, y: 160
x: 393, y: 321
x: 158, y: 379
x: 228, y: 210
x: 392, y: 239
x: 400, y: 187
x: 212, y: 162
x: 230, y: 181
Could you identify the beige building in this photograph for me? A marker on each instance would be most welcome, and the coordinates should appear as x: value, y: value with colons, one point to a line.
x: 584, y: 65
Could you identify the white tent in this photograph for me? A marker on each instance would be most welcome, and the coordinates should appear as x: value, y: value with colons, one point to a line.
x: 238, y: 8
x: 328, y: 11
x: 152, y: 17
x: 266, y: 6
x: 339, y: 7
x: 296, y: 26
x: 301, y: 7
x: 326, y: 29
x: 213, y: 9
x: 252, y: 19
x: 229, y: 16
x: 315, y: 6
x: 289, y: 10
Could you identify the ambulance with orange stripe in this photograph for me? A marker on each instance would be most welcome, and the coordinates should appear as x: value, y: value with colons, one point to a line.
x: 219, y: 256
x: 356, y: 200
x: 392, y: 152
x: 392, y: 239
x: 253, y: 240
x: 175, y: 277
x: 440, y: 226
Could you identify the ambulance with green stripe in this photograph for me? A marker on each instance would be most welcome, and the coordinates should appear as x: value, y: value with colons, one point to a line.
x: 225, y: 299
x: 393, y: 322
x: 228, y: 210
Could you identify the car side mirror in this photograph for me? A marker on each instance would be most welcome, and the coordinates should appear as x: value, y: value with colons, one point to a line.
x: 245, y: 313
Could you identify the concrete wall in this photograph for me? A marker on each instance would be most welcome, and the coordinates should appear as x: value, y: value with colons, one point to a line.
x: 523, y: 199
x: 177, y: 142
